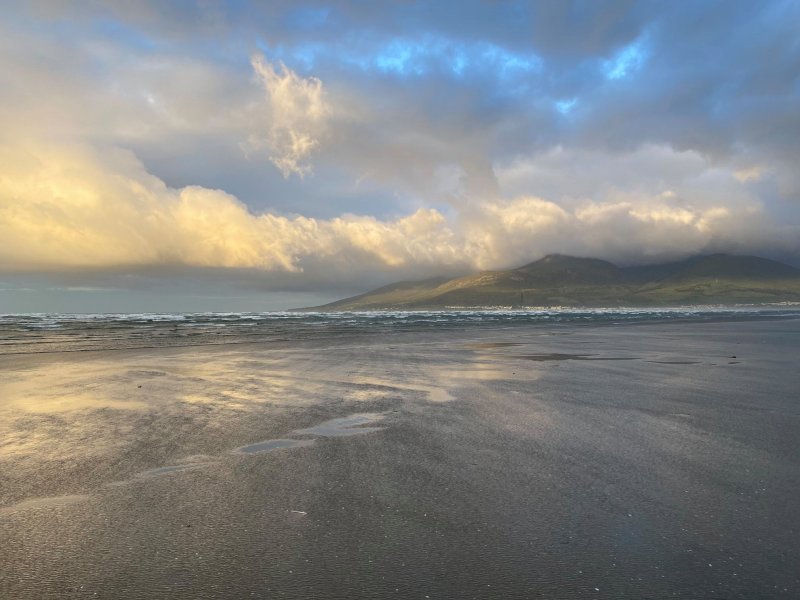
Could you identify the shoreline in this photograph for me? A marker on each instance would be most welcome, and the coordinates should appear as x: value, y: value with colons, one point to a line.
x: 244, y: 337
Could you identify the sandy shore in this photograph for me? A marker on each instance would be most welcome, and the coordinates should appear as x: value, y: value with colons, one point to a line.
x: 516, y: 462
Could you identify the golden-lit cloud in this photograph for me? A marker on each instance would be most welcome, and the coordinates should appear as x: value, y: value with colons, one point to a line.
x: 297, y: 109
x: 75, y: 207
x: 70, y: 206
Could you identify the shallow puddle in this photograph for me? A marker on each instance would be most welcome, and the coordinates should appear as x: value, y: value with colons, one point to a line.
x: 344, y: 426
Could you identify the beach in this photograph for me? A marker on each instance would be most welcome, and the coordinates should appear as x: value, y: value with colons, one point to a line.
x: 514, y: 460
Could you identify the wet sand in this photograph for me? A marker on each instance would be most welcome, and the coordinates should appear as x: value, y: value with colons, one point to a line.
x: 637, y: 461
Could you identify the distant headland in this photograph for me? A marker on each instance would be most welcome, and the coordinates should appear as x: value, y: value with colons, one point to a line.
x: 558, y: 280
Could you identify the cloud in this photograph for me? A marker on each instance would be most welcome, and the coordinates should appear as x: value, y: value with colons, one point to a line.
x: 79, y: 208
x: 431, y: 87
x: 297, y: 111
x: 72, y: 207
x: 440, y: 139
x: 749, y: 174
x: 513, y: 232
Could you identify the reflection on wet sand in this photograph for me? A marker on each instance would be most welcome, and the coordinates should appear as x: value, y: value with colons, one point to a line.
x: 485, y: 368
x: 675, y: 362
x: 491, y: 345
x: 171, y: 469
x: 439, y: 394
x: 167, y: 470
x: 351, y: 425
x: 554, y: 356
x: 269, y: 445
x: 63, y: 411
x: 333, y: 472
x: 340, y: 427
x: 343, y: 426
x: 40, y: 503
x: 61, y: 387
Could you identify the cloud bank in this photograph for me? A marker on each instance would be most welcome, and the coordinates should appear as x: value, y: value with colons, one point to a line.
x: 73, y: 207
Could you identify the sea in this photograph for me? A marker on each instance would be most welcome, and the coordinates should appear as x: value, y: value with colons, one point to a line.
x: 54, y: 332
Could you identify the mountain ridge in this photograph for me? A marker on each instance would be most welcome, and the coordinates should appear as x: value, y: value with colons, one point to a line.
x: 562, y: 280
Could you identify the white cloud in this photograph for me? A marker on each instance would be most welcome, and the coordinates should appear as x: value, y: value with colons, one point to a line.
x: 749, y: 174
x: 296, y: 118
x: 67, y: 207
x: 75, y: 207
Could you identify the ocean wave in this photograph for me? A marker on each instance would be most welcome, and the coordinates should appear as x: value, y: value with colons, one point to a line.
x: 49, y: 332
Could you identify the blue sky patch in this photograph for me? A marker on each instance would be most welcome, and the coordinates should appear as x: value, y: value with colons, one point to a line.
x: 625, y: 62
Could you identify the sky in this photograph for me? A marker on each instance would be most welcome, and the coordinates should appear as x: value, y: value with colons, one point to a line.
x: 222, y: 156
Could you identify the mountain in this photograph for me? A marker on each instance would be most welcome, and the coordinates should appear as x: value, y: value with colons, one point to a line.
x: 558, y: 280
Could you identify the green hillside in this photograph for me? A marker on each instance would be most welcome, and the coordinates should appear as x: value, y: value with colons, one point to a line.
x: 558, y: 280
